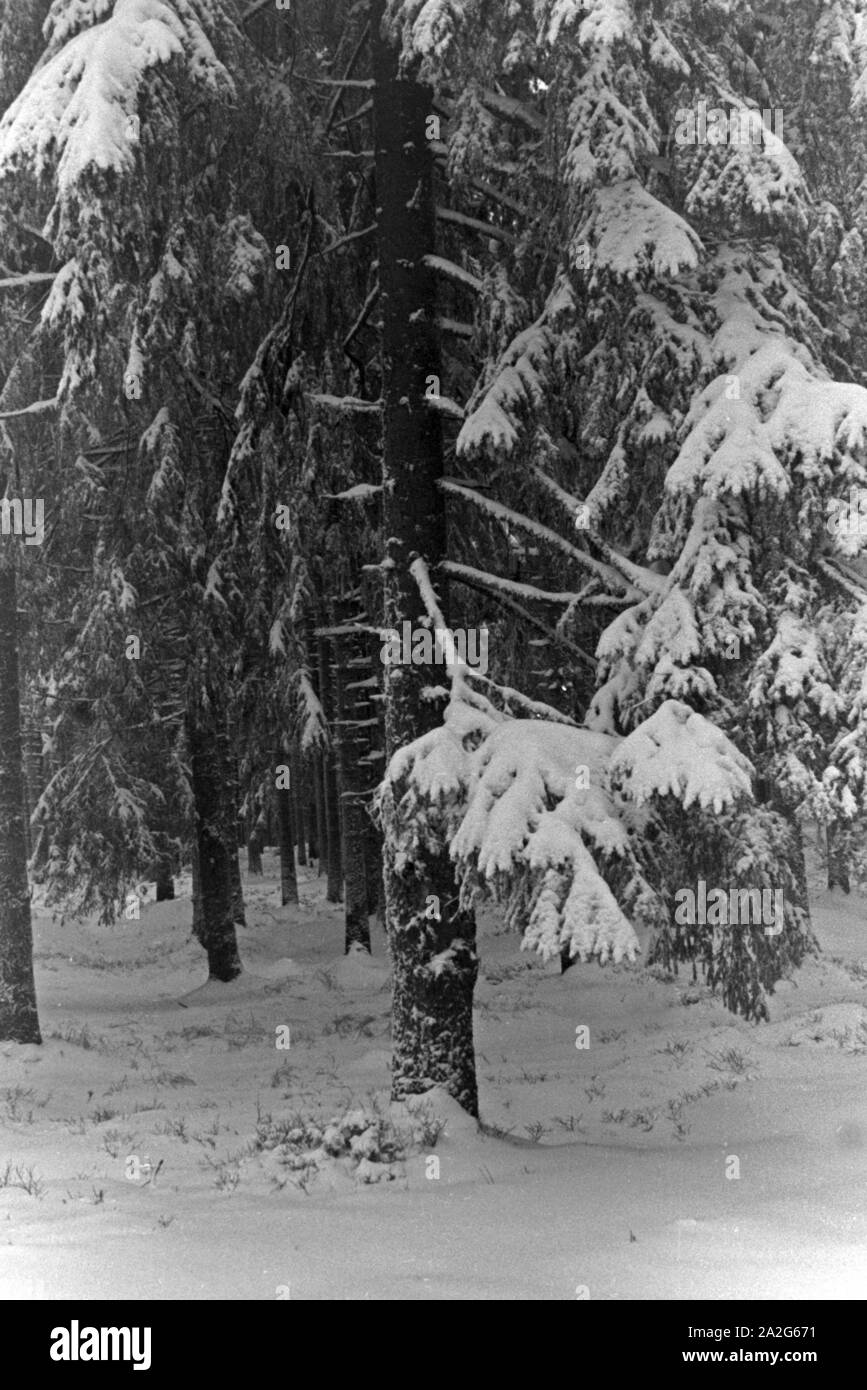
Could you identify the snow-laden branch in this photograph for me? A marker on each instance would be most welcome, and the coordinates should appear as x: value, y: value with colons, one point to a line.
x: 513, y: 110
x: 31, y: 277
x: 446, y: 406
x: 534, y: 528
x: 644, y: 579
x: 475, y: 224
x: 351, y: 404
x: 507, y: 586
x: 35, y: 408
x: 454, y: 272
x: 455, y: 666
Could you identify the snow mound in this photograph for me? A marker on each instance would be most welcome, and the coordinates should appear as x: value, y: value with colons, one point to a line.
x: 437, y: 1104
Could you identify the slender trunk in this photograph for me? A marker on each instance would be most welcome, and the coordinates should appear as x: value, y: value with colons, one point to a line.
x: 255, y: 843
x: 310, y: 818
x: 319, y: 795
x: 19, y: 1020
x: 216, y: 847
x: 350, y: 784
x: 288, y: 876
x: 334, y: 890
x: 297, y: 793
x: 165, y: 882
x: 838, y: 870
x: 198, y: 918
x: 373, y: 865
x: 230, y: 798
x: 432, y: 1030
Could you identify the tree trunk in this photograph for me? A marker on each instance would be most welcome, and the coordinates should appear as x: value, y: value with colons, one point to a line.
x: 432, y: 1031
x: 165, y: 883
x: 230, y: 800
x: 373, y: 862
x: 350, y: 785
x: 19, y: 1020
x: 319, y: 795
x: 334, y: 889
x: 216, y: 846
x: 297, y: 794
x: 838, y: 871
x: 255, y: 844
x: 198, y: 918
x: 288, y: 876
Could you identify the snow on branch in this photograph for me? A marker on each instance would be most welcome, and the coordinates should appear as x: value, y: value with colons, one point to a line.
x: 475, y: 224
x: 35, y: 408
x: 680, y: 753
x: 446, y: 406
x: 349, y: 404
x: 530, y: 823
x: 506, y: 586
x: 454, y: 272
x: 534, y: 528
x: 32, y: 277
x: 518, y: 382
x: 77, y: 110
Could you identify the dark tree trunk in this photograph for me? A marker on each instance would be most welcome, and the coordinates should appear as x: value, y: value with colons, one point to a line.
x: 838, y: 870
x: 216, y: 845
x: 373, y: 864
x: 198, y: 918
x: 19, y: 1021
x: 349, y: 749
x: 310, y: 819
x: 165, y: 883
x: 230, y: 803
x: 432, y: 1030
x: 319, y: 795
x: 288, y: 876
x: 334, y: 890
x: 255, y: 845
x: 297, y: 793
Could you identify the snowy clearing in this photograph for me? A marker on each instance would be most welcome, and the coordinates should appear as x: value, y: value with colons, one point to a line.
x: 612, y: 1175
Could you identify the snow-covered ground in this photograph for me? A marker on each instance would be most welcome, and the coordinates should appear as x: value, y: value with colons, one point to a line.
x: 600, y: 1171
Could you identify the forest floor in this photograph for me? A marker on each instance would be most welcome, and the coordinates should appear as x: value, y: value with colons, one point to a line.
x: 606, y: 1171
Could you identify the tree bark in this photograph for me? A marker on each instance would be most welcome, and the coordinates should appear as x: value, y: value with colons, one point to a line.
x: 255, y: 844
x: 19, y: 1020
x: 334, y: 889
x: 838, y: 872
x: 432, y: 1030
x: 319, y: 795
x: 217, y: 850
x: 288, y: 875
x: 297, y: 794
x: 165, y: 883
x: 351, y: 786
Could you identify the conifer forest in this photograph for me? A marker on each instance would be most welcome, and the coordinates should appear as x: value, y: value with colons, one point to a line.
x: 433, y: 655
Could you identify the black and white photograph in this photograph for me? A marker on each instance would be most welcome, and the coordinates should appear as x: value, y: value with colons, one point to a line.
x: 433, y: 663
